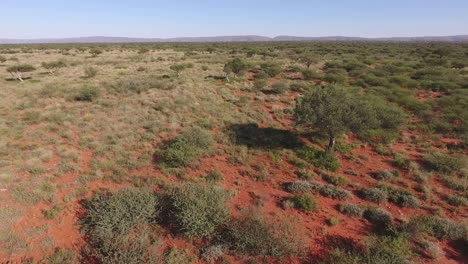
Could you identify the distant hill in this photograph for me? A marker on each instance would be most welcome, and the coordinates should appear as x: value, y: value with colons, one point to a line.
x: 247, y: 38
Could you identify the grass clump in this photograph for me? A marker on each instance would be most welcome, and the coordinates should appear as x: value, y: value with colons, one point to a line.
x: 197, y: 211
x: 62, y: 256
x: 185, y: 148
x: 335, y: 193
x: 375, y: 195
x: 335, y: 180
x: 384, y: 175
x: 304, y: 202
x: 457, y: 200
x: 378, y: 216
x: 353, y: 210
x: 401, y: 197
x: 321, y: 159
x: 437, y: 227
x: 444, y: 163
x: 87, y: 94
x: 252, y: 234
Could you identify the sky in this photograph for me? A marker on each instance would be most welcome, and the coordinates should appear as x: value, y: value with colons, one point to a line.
x: 183, y: 18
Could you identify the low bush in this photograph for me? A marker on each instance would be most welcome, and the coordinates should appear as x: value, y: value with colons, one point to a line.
x: 335, y: 193
x: 87, y: 94
x: 375, y: 195
x: 444, y: 163
x: 304, y: 202
x: 280, y: 87
x: 321, y: 159
x: 378, y: 216
x: 252, y: 234
x: 457, y: 200
x: 401, y: 197
x: 185, y: 148
x: 354, y: 210
x: 378, y: 249
x: 335, y: 180
x: 120, y: 212
x: 62, y: 256
x: 384, y: 175
x: 197, y: 211
x: 437, y: 227
x: 309, y: 74
x: 303, y: 187
x: 304, y: 174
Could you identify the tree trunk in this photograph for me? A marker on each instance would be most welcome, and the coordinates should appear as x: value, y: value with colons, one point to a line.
x: 18, y: 75
x: 227, y: 77
x: 331, y: 143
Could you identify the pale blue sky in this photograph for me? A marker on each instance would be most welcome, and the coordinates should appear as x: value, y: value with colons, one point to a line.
x: 177, y: 18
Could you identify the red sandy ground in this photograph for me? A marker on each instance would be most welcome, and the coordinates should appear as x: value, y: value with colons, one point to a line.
x: 266, y: 195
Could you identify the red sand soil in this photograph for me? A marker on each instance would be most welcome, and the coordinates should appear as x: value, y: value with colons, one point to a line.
x: 263, y: 195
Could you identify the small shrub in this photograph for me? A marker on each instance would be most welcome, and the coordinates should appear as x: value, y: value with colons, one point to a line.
x: 437, y: 227
x: 401, y: 197
x: 351, y: 210
x: 214, y: 176
x: 87, y: 94
x: 90, y: 72
x: 304, y: 202
x: 185, y: 148
x: 121, y: 211
x: 308, y: 74
x: 374, y: 195
x: 304, y: 174
x: 197, y: 211
x: 333, y: 221
x: 444, y: 163
x: 335, y: 193
x: 252, y: 234
x: 378, y: 216
x: 384, y: 175
x: 321, y: 159
x: 335, y: 180
x: 213, y: 253
x: 280, y: 87
x: 303, y: 187
x: 457, y: 200
x: 260, y: 84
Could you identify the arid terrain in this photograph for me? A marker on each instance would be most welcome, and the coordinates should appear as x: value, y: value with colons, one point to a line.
x: 216, y: 153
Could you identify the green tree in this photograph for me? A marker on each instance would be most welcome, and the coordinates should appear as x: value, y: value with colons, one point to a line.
x: 308, y: 59
x: 335, y: 111
x: 18, y: 70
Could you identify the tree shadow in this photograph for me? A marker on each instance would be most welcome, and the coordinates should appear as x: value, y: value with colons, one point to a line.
x: 251, y: 135
x: 215, y: 77
x: 330, y: 243
x: 11, y: 79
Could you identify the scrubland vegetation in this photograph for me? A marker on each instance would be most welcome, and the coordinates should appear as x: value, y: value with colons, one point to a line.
x: 302, y: 152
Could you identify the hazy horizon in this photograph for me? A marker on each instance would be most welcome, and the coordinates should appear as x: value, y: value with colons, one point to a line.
x: 156, y: 19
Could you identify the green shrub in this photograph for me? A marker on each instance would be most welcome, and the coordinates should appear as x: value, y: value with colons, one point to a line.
x: 280, y: 87
x: 401, y: 196
x: 120, y: 212
x: 378, y: 250
x: 252, y: 234
x: 304, y: 202
x: 333, y: 221
x: 308, y: 74
x: 444, y: 163
x: 260, y: 83
x: 378, y: 216
x: 303, y: 187
x: 87, y: 94
x: 185, y: 148
x: 335, y: 180
x: 304, y: 174
x: 214, y: 176
x: 375, y: 195
x: 271, y: 69
x: 335, y: 193
x: 197, y: 211
x: 321, y: 159
x: 457, y: 200
x: 437, y: 227
x: 384, y: 175
x: 354, y: 210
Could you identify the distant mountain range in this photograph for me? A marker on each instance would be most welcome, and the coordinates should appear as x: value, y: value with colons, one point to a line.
x: 247, y: 38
